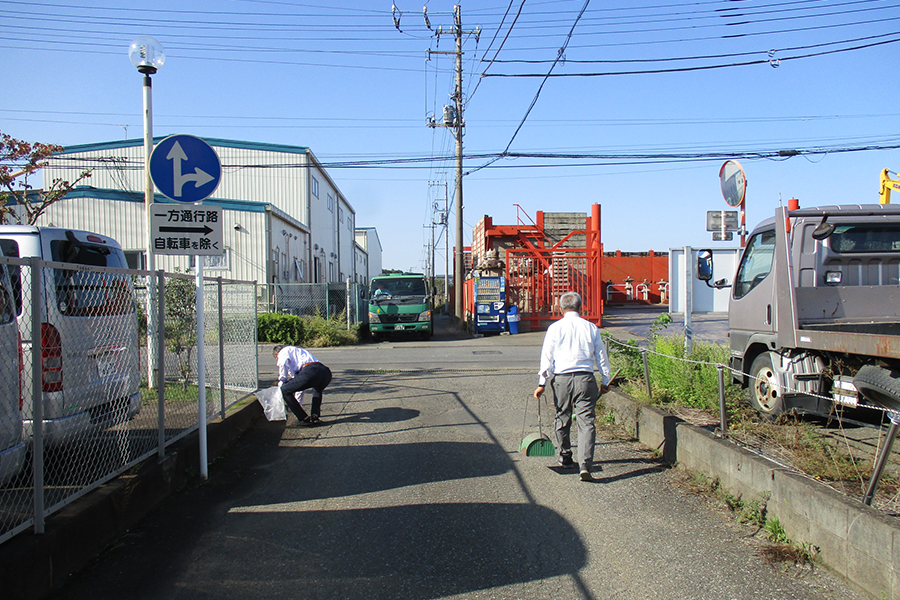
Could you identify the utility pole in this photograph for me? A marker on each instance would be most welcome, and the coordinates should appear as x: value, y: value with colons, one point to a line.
x: 453, y: 119
x: 443, y: 222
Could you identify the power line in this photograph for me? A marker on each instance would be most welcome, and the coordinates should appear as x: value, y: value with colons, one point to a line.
x: 770, y: 60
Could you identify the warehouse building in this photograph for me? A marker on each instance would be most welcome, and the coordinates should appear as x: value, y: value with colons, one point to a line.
x: 285, y: 220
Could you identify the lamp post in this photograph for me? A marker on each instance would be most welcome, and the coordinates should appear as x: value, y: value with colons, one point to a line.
x: 148, y: 56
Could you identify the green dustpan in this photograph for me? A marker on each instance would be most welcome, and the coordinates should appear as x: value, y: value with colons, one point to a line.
x: 537, y: 444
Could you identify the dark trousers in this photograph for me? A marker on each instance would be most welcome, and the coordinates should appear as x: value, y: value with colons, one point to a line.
x: 314, y: 376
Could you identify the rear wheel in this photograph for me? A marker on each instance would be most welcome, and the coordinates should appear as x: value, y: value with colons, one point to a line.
x: 766, y: 394
x: 879, y: 385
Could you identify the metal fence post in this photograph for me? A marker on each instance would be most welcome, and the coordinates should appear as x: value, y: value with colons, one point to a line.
x: 646, y: 371
x: 348, y: 304
x: 160, y: 350
x: 221, y: 346
x: 255, y: 342
x: 37, y: 394
x: 327, y: 306
x: 723, y: 413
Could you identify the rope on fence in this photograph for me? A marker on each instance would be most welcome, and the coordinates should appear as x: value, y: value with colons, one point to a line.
x: 736, y: 373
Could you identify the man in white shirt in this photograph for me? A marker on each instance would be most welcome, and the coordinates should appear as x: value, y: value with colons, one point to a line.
x: 299, y: 370
x: 572, y: 349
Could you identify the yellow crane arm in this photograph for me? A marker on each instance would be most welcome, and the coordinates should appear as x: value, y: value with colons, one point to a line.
x: 887, y: 184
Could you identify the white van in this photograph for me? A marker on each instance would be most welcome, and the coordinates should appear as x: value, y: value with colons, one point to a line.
x: 89, y: 330
x: 13, y: 446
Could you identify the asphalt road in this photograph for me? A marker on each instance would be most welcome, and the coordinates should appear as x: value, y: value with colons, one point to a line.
x: 414, y: 488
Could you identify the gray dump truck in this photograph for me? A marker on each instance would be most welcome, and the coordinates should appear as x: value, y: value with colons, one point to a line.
x: 814, y: 316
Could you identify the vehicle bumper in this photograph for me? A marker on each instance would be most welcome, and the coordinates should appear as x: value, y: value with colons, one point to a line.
x: 12, y: 460
x: 69, y: 428
x: 416, y: 326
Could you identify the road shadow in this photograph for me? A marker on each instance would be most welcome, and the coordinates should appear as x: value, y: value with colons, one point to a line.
x: 280, y: 521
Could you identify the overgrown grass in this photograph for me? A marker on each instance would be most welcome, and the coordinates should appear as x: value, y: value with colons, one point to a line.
x: 677, y: 377
x: 690, y: 379
x: 309, y: 331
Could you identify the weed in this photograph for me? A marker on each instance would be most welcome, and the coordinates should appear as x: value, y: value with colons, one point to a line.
x: 775, y: 531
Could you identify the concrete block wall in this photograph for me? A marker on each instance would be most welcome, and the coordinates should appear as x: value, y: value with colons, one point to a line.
x: 855, y: 541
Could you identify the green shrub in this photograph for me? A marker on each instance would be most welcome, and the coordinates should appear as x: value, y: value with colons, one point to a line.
x: 312, y: 332
x: 281, y: 328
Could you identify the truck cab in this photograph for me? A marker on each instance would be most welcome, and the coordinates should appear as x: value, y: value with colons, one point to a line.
x: 400, y: 303
x: 815, y: 297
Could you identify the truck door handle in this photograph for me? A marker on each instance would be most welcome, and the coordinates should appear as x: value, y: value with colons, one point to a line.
x: 768, y: 314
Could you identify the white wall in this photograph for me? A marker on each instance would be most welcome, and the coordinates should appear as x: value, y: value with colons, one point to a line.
x: 705, y: 299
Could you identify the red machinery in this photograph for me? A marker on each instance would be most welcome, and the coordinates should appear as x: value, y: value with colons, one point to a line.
x: 543, y: 259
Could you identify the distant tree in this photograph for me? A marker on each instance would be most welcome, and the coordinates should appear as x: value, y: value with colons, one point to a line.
x: 18, y: 160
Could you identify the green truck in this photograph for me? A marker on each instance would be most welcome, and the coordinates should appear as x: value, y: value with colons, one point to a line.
x: 400, y: 303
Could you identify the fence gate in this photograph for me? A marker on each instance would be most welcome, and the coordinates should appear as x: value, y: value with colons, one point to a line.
x: 537, y: 277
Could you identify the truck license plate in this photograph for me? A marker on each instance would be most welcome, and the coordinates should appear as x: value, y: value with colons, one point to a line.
x: 399, y: 327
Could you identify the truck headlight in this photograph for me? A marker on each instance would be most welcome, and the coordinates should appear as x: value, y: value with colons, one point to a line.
x: 425, y: 315
x: 833, y: 277
x: 374, y: 318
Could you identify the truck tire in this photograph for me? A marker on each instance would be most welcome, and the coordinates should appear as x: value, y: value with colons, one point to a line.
x: 765, y: 393
x: 879, y: 385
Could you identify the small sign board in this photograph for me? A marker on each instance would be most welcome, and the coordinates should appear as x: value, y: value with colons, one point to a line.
x: 186, y: 230
x: 722, y: 220
x: 719, y: 236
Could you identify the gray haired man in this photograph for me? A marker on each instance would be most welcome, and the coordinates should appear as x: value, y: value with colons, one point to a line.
x: 572, y: 349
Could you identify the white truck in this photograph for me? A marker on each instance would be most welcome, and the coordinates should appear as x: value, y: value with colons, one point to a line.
x: 815, y: 309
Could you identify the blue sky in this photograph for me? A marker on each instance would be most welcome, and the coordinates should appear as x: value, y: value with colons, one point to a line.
x: 344, y: 81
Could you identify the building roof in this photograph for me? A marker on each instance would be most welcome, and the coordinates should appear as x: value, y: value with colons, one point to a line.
x: 211, y: 141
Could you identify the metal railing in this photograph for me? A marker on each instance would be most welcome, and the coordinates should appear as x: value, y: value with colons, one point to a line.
x: 96, y: 397
x: 701, y: 372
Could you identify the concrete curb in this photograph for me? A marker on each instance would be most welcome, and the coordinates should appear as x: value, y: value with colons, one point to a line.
x: 35, y: 565
x: 855, y: 541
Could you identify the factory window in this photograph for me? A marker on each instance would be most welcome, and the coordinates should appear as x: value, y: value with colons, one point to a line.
x: 341, y: 215
x: 315, y: 187
x: 330, y: 203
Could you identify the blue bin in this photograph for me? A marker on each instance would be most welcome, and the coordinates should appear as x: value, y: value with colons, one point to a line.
x: 512, y: 318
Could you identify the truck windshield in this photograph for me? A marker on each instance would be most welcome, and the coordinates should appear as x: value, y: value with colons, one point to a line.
x: 755, y: 264
x: 865, y: 238
x: 382, y: 288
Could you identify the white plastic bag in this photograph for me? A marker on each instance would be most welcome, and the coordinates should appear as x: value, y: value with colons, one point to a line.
x: 272, y: 403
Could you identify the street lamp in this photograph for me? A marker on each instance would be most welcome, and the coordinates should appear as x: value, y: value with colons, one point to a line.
x: 148, y: 56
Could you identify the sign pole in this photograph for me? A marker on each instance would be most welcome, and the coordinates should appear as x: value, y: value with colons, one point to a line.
x: 201, y: 370
x: 186, y: 169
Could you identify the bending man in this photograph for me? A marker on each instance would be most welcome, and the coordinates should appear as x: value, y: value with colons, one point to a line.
x: 299, y: 370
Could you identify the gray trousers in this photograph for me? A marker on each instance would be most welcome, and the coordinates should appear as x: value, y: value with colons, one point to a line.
x: 576, y: 393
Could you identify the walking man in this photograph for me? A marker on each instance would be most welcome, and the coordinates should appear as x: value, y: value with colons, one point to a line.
x: 572, y: 349
x: 299, y: 370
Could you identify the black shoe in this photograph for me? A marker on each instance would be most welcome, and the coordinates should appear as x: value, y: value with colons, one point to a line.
x: 566, y: 462
x: 312, y: 421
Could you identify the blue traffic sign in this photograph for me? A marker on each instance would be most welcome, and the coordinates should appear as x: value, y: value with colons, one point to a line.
x: 184, y: 168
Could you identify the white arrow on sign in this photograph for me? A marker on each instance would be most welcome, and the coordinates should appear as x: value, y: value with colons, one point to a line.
x: 199, y: 176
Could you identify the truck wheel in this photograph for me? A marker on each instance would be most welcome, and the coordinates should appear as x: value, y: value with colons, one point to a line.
x: 879, y: 385
x: 765, y: 392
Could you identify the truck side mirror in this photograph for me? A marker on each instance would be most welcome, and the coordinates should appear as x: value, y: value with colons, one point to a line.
x: 704, y: 265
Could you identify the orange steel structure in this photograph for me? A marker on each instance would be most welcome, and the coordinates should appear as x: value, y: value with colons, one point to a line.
x: 540, y: 267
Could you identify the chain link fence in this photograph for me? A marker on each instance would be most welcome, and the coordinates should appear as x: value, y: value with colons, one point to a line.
x: 107, y: 364
x: 327, y: 300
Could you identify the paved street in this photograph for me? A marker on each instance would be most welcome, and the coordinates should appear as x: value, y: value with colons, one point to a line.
x: 414, y: 489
